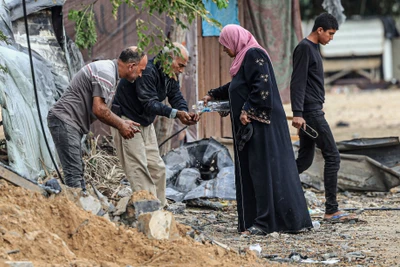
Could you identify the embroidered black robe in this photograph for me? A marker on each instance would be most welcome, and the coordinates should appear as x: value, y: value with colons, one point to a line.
x: 268, y: 189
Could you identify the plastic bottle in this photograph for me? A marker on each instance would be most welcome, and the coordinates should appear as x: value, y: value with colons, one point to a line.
x: 212, y: 106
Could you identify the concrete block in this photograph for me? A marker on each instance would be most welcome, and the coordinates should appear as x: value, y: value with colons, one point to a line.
x: 159, y: 224
x: 144, y: 206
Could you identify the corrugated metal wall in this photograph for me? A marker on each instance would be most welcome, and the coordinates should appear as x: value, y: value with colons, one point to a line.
x: 213, y: 71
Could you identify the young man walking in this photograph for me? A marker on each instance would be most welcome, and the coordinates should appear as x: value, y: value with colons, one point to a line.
x: 307, y: 94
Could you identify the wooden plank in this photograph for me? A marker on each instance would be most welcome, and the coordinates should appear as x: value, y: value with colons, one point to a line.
x: 226, y: 127
x: 225, y: 77
x: 351, y: 64
x: 212, y: 67
x: 18, y: 180
x: 200, y: 75
x: 241, y: 12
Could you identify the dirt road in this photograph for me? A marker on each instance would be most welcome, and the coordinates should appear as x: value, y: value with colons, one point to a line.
x: 370, y: 113
x: 371, y: 242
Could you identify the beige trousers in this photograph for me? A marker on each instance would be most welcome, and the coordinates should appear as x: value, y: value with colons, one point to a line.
x: 141, y: 161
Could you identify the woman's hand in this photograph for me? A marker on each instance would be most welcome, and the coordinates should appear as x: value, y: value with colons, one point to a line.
x: 244, y: 119
x: 206, y: 98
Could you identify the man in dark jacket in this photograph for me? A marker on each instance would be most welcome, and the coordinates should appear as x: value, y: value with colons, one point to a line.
x: 307, y: 97
x: 141, y: 102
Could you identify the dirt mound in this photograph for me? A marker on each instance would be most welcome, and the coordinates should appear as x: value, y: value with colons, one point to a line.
x: 55, y: 232
x: 142, y: 195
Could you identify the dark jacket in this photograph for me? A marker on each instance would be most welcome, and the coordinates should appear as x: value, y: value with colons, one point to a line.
x: 307, y: 92
x: 141, y: 101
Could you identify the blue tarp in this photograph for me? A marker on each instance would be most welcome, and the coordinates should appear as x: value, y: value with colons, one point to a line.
x: 225, y: 16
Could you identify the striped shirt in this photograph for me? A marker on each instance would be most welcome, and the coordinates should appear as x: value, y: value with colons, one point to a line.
x: 98, y: 78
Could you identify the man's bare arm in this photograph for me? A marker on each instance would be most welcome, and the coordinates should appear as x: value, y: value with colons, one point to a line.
x: 127, y: 128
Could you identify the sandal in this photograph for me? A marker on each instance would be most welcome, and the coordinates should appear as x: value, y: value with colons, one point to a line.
x: 341, y: 218
x: 254, y: 231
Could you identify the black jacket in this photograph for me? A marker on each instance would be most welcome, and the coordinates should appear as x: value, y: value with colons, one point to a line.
x: 307, y: 92
x: 141, y: 101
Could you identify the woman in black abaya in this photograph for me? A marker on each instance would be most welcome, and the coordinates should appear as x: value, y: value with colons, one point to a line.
x: 268, y: 189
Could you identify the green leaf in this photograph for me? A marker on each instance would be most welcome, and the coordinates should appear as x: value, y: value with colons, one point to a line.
x: 151, y: 37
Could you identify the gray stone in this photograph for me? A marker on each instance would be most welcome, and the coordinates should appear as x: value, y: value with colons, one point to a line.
x: 89, y: 203
x: 174, y: 195
x: 125, y: 192
x: 312, y: 200
x: 121, y: 206
x: 144, y: 206
x: 177, y: 208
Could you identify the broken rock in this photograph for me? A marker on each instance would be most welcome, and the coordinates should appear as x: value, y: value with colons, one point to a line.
x: 121, y: 206
x: 89, y: 203
x: 158, y: 225
x: 144, y: 206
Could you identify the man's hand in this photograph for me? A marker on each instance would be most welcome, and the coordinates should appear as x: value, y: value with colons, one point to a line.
x: 128, y: 129
x: 194, y: 116
x: 185, y: 118
x: 298, y: 122
x: 207, y: 98
x: 244, y: 119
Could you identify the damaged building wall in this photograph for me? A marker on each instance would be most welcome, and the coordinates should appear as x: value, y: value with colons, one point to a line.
x: 27, y: 151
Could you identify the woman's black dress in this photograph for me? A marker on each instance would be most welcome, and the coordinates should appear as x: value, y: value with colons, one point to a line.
x: 268, y: 189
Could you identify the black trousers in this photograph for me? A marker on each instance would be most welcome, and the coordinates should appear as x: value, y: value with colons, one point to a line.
x: 68, y: 144
x: 326, y: 143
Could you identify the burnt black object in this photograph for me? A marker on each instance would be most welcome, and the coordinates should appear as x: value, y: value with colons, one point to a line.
x: 199, y: 169
x: 207, y: 155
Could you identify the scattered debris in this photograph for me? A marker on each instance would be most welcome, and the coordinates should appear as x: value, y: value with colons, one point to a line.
x: 367, y: 164
x: 342, y: 124
x: 257, y: 248
x: 176, y: 208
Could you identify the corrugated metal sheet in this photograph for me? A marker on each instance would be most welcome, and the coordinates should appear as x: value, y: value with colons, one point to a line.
x: 396, y: 58
x: 354, y: 38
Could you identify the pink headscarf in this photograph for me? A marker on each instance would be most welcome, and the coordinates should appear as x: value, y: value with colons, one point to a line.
x: 239, y: 40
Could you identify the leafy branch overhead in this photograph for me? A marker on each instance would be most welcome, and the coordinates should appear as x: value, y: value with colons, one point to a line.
x: 85, y: 26
x: 182, y: 12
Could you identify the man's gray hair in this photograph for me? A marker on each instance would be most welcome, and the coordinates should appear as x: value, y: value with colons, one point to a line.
x: 180, y: 46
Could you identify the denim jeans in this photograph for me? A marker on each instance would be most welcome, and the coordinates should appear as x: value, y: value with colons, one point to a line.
x: 326, y: 143
x: 67, y: 140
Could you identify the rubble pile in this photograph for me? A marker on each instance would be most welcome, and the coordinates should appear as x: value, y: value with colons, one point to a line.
x: 55, y: 231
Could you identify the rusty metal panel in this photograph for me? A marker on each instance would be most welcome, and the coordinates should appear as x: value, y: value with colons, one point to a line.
x: 213, y: 71
x: 113, y: 35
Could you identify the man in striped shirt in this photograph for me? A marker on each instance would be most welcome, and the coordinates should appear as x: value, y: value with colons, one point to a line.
x: 87, y: 99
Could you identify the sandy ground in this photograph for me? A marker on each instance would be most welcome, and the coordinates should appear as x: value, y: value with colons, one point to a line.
x: 55, y: 232
x: 369, y: 113
x: 372, y: 241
